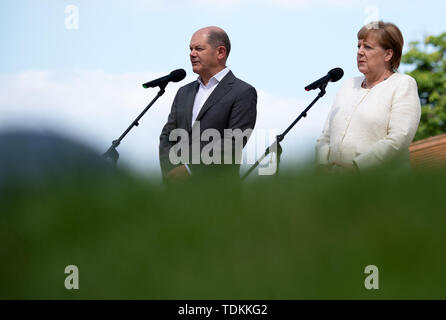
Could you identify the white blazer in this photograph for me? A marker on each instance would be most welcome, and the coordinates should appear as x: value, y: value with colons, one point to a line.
x: 368, y: 126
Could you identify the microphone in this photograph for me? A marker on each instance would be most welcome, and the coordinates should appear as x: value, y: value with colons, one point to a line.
x: 174, y: 76
x: 333, y: 75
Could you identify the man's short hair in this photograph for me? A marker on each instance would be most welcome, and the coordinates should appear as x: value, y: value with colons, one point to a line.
x: 219, y: 38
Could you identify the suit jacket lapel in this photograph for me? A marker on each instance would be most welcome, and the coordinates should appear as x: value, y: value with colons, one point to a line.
x: 189, y: 103
x: 219, y: 92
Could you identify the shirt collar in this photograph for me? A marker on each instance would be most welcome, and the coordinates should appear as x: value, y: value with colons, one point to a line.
x: 216, y: 78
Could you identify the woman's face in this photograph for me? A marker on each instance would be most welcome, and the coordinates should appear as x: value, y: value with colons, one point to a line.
x: 372, y: 58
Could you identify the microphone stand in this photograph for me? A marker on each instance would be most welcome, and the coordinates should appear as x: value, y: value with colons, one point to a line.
x: 112, y: 153
x: 276, y: 147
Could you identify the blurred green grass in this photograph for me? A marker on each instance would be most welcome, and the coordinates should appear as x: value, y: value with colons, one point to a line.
x: 302, y: 235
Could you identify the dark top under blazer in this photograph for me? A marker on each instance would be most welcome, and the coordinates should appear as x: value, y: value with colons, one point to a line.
x: 232, y: 105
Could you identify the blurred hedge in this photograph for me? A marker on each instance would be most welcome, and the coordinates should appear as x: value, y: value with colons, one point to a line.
x: 302, y: 235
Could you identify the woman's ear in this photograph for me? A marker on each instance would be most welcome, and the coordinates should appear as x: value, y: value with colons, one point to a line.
x: 389, y: 55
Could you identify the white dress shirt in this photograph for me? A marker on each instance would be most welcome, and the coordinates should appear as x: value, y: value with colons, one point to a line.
x: 204, y: 91
x: 367, y: 126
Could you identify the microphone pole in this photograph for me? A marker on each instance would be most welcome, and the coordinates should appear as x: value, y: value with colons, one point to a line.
x: 276, y: 147
x: 112, y: 153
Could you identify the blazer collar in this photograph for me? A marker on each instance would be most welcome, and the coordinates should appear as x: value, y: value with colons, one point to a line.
x: 219, y: 92
x: 189, y: 103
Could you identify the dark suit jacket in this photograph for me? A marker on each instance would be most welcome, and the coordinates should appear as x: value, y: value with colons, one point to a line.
x: 232, y: 105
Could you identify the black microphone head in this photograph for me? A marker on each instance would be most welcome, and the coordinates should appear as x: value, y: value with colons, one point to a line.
x: 177, y: 75
x: 336, y: 74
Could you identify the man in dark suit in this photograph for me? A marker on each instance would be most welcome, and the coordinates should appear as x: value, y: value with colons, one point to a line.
x: 216, y: 104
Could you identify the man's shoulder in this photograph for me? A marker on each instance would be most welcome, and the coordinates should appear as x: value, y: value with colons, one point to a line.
x: 240, y: 84
x: 190, y: 86
x: 230, y: 77
x: 243, y: 84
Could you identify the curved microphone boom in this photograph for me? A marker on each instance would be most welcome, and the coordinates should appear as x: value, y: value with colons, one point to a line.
x: 332, y: 76
x: 174, y: 76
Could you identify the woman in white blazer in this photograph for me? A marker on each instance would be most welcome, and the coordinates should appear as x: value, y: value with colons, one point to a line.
x: 373, y: 117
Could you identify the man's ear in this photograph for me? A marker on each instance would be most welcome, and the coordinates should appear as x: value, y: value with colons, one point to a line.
x: 221, y: 52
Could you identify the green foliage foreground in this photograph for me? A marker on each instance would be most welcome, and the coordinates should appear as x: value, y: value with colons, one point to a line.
x: 301, y: 236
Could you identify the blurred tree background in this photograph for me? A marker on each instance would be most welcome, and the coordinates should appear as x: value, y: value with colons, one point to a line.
x: 429, y: 70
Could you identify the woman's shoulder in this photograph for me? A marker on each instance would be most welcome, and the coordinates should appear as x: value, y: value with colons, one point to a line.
x: 352, y: 83
x: 356, y: 82
x: 403, y: 82
x: 403, y: 78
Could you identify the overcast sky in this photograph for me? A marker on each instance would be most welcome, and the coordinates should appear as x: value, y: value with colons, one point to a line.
x: 76, y: 67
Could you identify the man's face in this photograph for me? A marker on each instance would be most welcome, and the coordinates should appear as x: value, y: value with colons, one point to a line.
x: 202, y: 55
